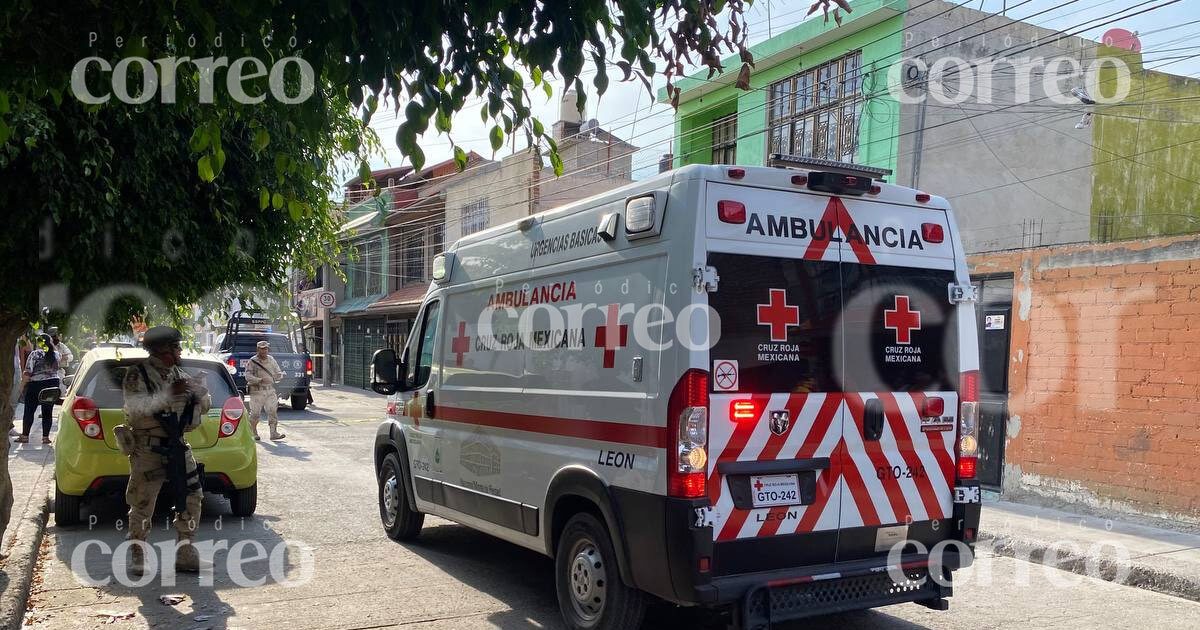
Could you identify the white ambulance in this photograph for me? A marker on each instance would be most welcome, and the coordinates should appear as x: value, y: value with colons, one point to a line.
x: 747, y: 388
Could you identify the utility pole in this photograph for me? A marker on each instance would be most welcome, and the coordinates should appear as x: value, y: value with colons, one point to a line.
x: 326, y: 335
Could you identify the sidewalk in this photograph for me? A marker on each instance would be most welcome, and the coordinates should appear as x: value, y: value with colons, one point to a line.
x: 32, y: 469
x: 1135, y: 555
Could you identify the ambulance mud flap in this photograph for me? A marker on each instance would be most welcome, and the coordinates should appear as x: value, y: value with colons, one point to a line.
x: 389, y: 436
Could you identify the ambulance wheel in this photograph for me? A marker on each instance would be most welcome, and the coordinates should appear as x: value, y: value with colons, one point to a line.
x: 591, y: 595
x: 400, y: 521
x: 299, y: 402
x: 66, y: 508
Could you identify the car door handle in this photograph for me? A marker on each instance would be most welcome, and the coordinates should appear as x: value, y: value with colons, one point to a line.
x: 872, y: 420
x: 429, y: 404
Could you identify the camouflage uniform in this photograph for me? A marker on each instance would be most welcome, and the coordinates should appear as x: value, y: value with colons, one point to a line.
x: 147, y: 469
x: 260, y: 382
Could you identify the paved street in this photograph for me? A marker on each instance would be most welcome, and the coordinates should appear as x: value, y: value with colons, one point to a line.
x: 317, y: 491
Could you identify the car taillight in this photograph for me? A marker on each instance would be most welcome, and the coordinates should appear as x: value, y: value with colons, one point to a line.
x: 391, y: 409
x: 231, y: 416
x: 731, y: 211
x: 968, y: 424
x: 308, y: 366
x: 687, y: 430
x: 87, y: 416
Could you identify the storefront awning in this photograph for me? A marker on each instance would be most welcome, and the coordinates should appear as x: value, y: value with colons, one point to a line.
x: 404, y: 299
x: 356, y: 305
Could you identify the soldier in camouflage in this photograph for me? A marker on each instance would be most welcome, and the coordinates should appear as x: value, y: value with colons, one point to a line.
x: 160, y: 385
x: 262, y: 373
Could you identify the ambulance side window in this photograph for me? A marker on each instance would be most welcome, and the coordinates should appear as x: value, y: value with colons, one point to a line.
x: 419, y: 369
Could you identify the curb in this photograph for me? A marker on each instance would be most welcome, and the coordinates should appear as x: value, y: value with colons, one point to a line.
x: 1132, y: 572
x: 23, y: 556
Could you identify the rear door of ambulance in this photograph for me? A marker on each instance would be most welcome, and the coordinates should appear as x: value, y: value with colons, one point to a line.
x: 800, y: 474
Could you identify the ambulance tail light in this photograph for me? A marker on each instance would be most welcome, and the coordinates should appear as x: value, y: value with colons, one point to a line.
x: 933, y: 407
x: 87, y: 416
x: 737, y: 173
x: 231, y: 416
x: 743, y: 410
x: 968, y: 425
x: 687, y: 432
x: 932, y: 233
x: 731, y: 211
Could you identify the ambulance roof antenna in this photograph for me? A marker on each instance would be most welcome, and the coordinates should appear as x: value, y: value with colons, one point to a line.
x: 784, y: 160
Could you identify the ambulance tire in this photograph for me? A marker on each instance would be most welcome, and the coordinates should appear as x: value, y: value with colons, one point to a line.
x: 591, y: 594
x: 400, y: 521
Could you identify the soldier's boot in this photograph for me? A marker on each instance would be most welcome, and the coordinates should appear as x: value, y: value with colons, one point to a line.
x: 254, y: 428
x: 275, y: 432
x: 137, y: 560
x: 187, y: 559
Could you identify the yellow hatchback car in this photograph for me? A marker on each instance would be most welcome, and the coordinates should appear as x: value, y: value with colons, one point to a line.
x: 88, y: 464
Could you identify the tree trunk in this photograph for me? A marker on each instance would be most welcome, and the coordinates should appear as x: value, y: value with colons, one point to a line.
x: 9, y: 329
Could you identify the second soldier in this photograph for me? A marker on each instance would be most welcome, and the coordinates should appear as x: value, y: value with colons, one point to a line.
x: 262, y: 373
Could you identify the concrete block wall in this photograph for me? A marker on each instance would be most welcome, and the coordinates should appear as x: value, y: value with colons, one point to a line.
x: 1104, y: 402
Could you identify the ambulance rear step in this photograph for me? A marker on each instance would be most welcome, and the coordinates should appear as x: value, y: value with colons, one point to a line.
x: 776, y: 602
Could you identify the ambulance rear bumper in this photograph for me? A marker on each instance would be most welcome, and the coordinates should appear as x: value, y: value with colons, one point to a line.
x: 669, y: 555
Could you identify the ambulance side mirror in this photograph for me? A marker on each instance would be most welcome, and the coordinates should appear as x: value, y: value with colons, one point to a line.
x: 385, y: 372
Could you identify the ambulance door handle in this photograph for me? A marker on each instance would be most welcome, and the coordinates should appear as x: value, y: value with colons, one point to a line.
x: 872, y: 420
x: 429, y: 404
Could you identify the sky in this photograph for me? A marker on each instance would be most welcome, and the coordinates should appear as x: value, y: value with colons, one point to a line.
x: 630, y: 112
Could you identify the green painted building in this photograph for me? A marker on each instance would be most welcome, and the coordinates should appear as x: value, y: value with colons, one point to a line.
x: 1012, y: 161
x: 816, y: 89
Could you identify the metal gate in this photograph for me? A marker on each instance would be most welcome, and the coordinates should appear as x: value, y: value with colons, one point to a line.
x: 995, y: 321
x: 362, y: 337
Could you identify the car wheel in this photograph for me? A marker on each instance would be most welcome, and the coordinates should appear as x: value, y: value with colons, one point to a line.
x: 66, y: 508
x: 400, y: 521
x: 244, y: 502
x: 591, y: 594
x: 299, y: 402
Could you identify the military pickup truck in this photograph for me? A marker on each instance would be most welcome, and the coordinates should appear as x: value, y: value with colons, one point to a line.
x: 239, y: 343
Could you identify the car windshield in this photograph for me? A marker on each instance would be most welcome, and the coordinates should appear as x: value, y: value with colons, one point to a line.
x: 102, y: 383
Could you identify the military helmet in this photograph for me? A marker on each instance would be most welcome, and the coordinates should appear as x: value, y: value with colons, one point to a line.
x: 159, y: 336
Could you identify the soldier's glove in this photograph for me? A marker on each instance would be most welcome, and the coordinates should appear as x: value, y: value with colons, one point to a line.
x: 125, y: 441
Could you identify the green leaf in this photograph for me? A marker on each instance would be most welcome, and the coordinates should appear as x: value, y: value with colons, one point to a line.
x: 536, y: 75
x: 277, y: 201
x: 460, y: 157
x: 261, y: 140
x: 199, y: 140
x: 295, y: 210
x: 5, y: 132
x: 497, y: 137
x: 204, y: 168
x: 549, y: 91
x: 556, y: 161
x: 218, y: 161
x: 538, y: 129
x: 3, y: 102
x: 264, y: 198
x: 417, y: 157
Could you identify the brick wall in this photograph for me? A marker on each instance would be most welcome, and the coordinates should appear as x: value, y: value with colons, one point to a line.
x: 1104, y: 403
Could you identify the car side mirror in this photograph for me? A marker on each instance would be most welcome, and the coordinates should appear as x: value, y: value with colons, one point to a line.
x: 50, y: 395
x: 67, y: 380
x: 385, y: 372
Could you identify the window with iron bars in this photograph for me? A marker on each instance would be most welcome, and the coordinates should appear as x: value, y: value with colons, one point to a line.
x: 474, y: 217
x: 816, y: 113
x: 724, y: 140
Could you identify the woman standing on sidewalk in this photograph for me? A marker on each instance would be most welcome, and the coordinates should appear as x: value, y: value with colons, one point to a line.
x: 41, y: 368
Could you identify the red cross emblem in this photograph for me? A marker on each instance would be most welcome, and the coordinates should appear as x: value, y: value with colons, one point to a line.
x: 611, y: 336
x: 902, y: 320
x: 460, y: 344
x: 778, y: 315
x: 758, y: 485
